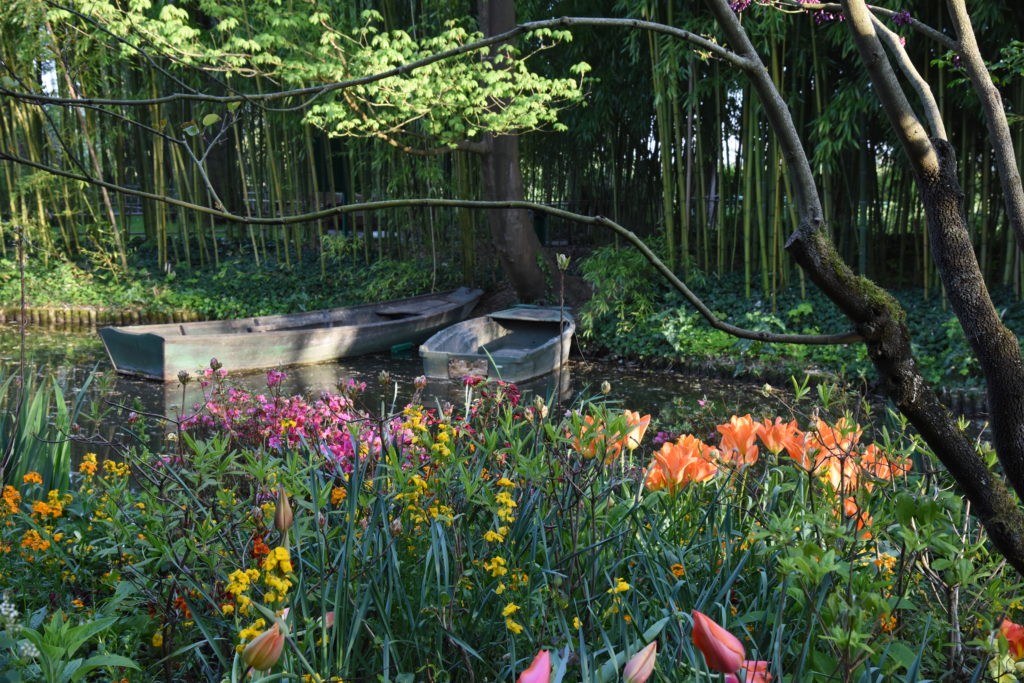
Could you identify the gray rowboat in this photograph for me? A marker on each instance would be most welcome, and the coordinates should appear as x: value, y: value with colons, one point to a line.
x: 161, y: 351
x: 512, y: 345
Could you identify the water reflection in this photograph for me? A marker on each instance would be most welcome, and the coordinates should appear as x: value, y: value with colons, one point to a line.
x: 71, y: 356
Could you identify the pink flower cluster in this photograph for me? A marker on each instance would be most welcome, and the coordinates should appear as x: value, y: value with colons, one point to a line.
x: 329, y: 424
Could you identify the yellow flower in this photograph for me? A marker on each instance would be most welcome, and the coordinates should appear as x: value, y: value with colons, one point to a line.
x: 32, y: 478
x: 504, y: 482
x: 493, y: 537
x: 510, y: 609
x: 620, y: 586
x: 338, y: 494
x: 496, y: 566
x: 576, y: 623
x: 678, y: 571
x: 88, y: 465
x: 158, y: 639
x: 513, y: 626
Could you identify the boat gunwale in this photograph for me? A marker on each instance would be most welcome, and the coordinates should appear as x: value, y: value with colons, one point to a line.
x: 300, y: 327
x: 568, y: 328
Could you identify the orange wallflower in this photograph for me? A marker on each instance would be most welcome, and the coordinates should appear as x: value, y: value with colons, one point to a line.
x: 738, y: 436
x: 677, y: 464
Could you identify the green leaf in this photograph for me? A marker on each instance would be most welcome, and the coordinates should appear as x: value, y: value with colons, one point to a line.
x: 102, y: 661
x: 210, y: 119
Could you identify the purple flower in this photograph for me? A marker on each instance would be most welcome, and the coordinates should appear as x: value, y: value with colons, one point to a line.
x: 821, y: 16
x: 739, y: 5
x: 275, y: 377
x: 902, y: 18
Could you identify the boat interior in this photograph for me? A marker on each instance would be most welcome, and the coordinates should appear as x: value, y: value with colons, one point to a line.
x: 502, y: 337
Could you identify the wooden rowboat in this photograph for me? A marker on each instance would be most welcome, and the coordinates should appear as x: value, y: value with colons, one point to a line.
x: 513, y: 345
x: 161, y: 351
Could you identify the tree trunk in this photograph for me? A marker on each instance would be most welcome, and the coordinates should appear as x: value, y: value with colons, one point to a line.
x: 515, y: 241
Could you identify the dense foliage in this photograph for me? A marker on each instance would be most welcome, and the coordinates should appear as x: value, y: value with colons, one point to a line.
x: 454, y: 543
x: 237, y: 287
x: 634, y: 314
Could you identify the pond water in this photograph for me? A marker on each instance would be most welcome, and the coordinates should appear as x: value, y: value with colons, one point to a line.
x: 71, y: 356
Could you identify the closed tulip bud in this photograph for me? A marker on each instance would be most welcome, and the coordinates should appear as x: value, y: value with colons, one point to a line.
x: 563, y: 261
x: 265, y: 649
x: 183, y: 376
x: 641, y: 665
x: 215, y: 364
x: 606, y: 387
x: 539, y: 671
x: 723, y: 652
x: 420, y: 382
x: 283, y: 516
x: 384, y: 378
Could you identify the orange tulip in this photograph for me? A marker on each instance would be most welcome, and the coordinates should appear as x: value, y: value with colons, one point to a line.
x: 756, y: 672
x: 778, y: 435
x: 637, y: 428
x: 539, y: 671
x: 594, y: 435
x: 265, y: 649
x: 1014, y: 634
x: 853, y: 511
x: 677, y: 464
x: 880, y: 466
x: 723, y: 652
x: 738, y: 436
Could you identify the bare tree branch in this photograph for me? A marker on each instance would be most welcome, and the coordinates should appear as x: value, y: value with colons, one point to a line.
x: 912, y: 135
x: 921, y: 87
x: 995, y: 117
x: 922, y: 28
x: 679, y: 285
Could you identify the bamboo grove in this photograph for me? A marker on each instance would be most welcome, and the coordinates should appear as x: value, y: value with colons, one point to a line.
x: 665, y: 140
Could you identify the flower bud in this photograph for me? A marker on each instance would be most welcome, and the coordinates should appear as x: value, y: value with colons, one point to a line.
x: 420, y: 382
x: 641, y: 665
x: 265, y: 649
x: 606, y: 387
x: 183, y: 377
x: 563, y: 261
x: 384, y: 378
x: 283, y: 516
x: 215, y: 364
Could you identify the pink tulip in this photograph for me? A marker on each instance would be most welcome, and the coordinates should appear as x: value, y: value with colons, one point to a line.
x: 723, y: 652
x: 641, y: 665
x: 539, y: 671
x: 265, y: 649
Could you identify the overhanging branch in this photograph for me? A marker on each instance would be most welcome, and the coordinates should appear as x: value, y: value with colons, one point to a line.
x: 679, y: 285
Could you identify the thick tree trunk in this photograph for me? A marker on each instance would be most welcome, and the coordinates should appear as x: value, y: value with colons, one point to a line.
x: 515, y: 241
x: 880, y: 319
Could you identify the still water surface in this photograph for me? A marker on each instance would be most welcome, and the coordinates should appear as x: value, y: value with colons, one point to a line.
x: 71, y: 356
